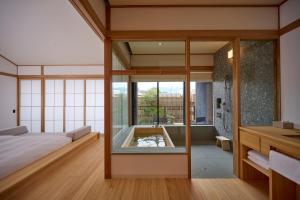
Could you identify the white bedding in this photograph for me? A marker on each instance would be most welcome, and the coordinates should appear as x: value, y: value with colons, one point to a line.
x: 16, y: 152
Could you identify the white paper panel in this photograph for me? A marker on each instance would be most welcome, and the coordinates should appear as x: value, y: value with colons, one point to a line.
x: 69, y: 126
x: 99, y: 113
x: 90, y: 113
x: 59, y: 99
x: 58, y: 113
x: 90, y: 86
x: 49, y: 126
x: 78, y: 124
x: 59, y: 86
x: 49, y: 86
x: 25, y: 99
x: 79, y: 100
x: 70, y: 86
x: 90, y: 99
x: 25, y: 113
x: 99, y: 99
x: 70, y: 101
x: 79, y: 86
x: 25, y: 86
x: 78, y: 113
x: 36, y: 86
x: 36, y: 113
x: 70, y: 113
x: 99, y: 86
x: 58, y: 126
x: 49, y: 113
x: 36, y: 100
x: 36, y: 126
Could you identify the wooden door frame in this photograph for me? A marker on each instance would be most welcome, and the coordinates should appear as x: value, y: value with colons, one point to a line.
x: 235, y: 39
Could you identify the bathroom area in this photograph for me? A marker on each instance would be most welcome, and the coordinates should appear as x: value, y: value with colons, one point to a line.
x: 155, y: 103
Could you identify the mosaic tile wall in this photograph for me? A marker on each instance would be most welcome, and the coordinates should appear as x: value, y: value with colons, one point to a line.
x: 257, y: 82
x: 222, y: 68
x: 257, y: 85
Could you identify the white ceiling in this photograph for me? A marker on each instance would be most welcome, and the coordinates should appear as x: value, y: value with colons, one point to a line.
x: 207, y: 46
x: 175, y: 47
x: 157, y: 47
x: 49, y: 32
x: 195, y: 2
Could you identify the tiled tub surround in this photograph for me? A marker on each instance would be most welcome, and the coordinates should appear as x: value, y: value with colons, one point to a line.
x: 223, y: 68
x: 257, y: 82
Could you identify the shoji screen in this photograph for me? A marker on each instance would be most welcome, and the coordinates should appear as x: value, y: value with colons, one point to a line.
x: 30, y: 104
x: 74, y: 104
x: 54, y: 105
x: 95, y: 104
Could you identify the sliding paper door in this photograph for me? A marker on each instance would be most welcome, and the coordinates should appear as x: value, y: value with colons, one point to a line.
x: 54, y: 105
x: 30, y: 104
x: 74, y: 104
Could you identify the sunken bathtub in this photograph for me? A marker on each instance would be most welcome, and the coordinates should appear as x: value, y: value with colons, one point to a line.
x: 148, y: 136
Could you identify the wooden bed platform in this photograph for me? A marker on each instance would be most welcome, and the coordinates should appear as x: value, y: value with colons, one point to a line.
x: 21, y: 175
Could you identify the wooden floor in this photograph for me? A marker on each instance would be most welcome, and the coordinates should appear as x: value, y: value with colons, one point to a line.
x: 80, y: 176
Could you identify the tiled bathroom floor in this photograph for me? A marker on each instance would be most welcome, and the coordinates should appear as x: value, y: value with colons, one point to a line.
x: 210, y: 161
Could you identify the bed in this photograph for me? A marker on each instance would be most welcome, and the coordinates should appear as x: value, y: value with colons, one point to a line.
x: 17, y: 152
x: 23, y: 154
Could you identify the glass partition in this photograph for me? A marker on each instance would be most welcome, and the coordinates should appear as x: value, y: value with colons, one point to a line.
x: 147, y: 98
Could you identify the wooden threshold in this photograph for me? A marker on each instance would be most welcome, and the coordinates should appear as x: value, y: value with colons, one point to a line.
x: 21, y: 175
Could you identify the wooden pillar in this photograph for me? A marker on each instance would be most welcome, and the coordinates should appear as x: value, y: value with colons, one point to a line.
x: 42, y: 99
x: 236, y: 105
x: 107, y: 107
x: 277, y: 79
x: 187, y: 106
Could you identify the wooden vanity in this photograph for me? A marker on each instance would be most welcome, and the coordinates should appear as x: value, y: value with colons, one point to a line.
x: 263, y: 139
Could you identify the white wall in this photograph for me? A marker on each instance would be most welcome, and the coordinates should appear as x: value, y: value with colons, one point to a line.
x: 171, y: 60
x: 74, y: 70
x: 290, y: 63
x: 189, y: 18
x: 8, y: 92
x: 289, y: 12
x: 29, y: 70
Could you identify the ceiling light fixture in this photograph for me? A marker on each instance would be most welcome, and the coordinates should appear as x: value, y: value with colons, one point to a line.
x: 160, y: 43
x: 230, y: 54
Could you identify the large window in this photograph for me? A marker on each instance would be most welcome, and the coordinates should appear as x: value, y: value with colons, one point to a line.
x: 160, y: 102
x: 201, y: 103
x: 30, y: 107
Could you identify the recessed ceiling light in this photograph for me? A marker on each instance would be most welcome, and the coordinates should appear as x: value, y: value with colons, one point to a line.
x: 160, y: 43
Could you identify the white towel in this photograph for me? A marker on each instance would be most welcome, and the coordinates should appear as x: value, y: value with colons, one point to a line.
x: 285, y: 165
x: 263, y: 164
x: 258, y: 156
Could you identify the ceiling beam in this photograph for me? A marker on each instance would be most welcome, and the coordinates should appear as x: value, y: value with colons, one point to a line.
x: 8, y: 60
x: 85, y: 9
x: 193, y: 6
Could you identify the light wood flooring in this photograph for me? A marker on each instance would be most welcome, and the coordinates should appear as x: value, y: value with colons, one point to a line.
x: 80, y: 176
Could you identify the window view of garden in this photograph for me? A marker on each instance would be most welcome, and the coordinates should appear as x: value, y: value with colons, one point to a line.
x: 160, y: 102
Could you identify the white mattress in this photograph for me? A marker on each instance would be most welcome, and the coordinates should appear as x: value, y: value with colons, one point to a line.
x: 16, y: 152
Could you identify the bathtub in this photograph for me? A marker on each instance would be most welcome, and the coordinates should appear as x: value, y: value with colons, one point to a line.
x: 148, y: 136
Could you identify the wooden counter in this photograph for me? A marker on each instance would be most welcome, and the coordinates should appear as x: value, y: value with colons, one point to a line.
x: 263, y: 139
